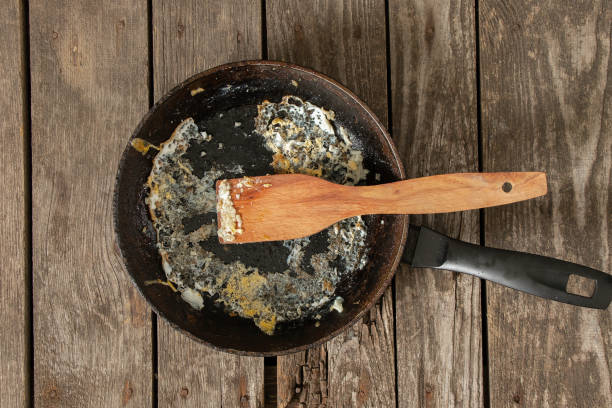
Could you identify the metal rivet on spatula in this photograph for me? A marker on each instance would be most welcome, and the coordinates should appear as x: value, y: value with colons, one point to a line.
x: 506, y: 187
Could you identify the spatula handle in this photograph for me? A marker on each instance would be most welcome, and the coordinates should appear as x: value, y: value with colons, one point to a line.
x: 450, y: 192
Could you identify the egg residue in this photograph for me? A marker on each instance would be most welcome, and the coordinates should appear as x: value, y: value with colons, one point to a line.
x: 301, y: 138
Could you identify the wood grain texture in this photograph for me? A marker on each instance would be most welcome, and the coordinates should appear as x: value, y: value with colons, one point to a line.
x: 92, y: 331
x: 189, y: 37
x: 361, y: 361
x: 307, y: 385
x: 289, y: 206
x: 433, y: 83
x: 345, y: 40
x: 14, y: 324
x: 546, y: 92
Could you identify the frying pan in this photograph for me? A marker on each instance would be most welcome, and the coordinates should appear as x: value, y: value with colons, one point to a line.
x: 236, y: 88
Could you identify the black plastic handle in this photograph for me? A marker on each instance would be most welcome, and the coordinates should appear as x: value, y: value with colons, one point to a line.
x: 534, y: 274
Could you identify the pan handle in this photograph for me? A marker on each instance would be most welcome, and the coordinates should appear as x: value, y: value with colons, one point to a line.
x: 534, y: 274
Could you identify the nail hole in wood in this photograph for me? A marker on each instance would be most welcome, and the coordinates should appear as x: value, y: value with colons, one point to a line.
x: 507, y: 187
x: 581, y: 286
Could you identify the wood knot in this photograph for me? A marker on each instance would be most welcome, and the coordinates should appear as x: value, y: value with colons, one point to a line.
x: 428, y: 388
x: 184, y: 392
x: 180, y: 29
x: 244, y: 401
x: 54, y: 35
x: 430, y: 29
x: 238, y: 37
x: 51, y: 393
x: 299, y: 32
x: 516, y: 398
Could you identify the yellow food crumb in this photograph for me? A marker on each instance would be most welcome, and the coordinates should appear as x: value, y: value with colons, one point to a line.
x: 327, y: 285
x: 267, y: 325
x: 142, y: 146
x: 243, y: 290
x: 280, y: 162
x: 182, y: 166
x: 161, y: 282
x: 318, y: 172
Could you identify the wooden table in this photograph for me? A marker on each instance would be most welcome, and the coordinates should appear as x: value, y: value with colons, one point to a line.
x: 487, y: 85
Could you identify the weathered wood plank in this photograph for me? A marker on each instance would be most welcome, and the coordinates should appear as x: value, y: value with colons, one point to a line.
x: 189, y: 37
x: 92, y: 331
x: 345, y: 40
x: 13, y: 294
x: 546, y: 89
x: 433, y: 83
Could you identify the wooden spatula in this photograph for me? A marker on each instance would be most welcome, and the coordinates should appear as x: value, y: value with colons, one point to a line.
x: 288, y: 206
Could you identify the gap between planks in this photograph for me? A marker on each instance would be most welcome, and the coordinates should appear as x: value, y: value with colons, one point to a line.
x: 27, y: 160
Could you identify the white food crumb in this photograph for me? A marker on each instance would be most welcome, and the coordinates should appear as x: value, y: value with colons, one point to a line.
x: 320, y: 119
x: 166, y: 267
x: 220, y: 145
x: 229, y: 221
x: 294, y: 83
x: 337, y: 305
x: 193, y: 297
x: 382, y: 222
x: 237, y: 124
x: 236, y: 169
x: 203, y: 153
x: 377, y: 176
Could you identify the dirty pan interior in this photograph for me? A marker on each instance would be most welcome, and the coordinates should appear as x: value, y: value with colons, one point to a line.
x: 235, y: 90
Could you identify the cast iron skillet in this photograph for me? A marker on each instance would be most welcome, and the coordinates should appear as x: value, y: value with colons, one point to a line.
x: 235, y: 89
x: 225, y: 88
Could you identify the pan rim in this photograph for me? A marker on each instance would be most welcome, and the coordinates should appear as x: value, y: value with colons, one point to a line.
x: 284, y: 65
